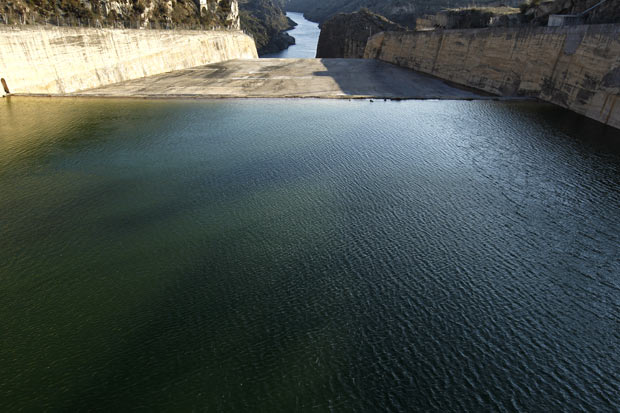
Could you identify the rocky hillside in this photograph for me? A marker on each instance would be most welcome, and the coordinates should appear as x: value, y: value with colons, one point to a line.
x: 403, y: 12
x: 264, y: 19
x: 538, y: 12
x: 268, y: 23
x: 533, y: 13
x: 472, y: 18
x: 123, y: 13
x: 346, y: 34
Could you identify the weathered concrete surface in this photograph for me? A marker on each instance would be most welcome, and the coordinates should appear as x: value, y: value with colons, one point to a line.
x: 574, y: 67
x: 320, y: 78
x: 63, y: 60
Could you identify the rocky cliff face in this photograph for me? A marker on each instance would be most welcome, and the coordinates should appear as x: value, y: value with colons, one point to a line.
x: 267, y: 23
x: 403, y: 12
x: 532, y: 13
x: 470, y: 18
x: 124, y: 13
x: 345, y: 35
x: 538, y: 12
x: 263, y: 19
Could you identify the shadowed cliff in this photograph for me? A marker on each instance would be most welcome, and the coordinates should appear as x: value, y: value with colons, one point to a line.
x: 346, y: 35
x: 403, y: 12
x: 267, y: 23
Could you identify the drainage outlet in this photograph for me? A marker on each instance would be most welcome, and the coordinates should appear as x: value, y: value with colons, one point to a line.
x: 4, y: 86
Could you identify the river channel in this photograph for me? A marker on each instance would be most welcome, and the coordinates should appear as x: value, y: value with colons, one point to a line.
x: 306, y: 35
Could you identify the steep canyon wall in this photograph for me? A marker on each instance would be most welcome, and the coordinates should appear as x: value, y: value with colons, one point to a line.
x: 346, y: 35
x: 574, y: 67
x: 67, y: 59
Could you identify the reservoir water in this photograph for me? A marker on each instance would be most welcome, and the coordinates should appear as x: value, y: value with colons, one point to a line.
x: 302, y: 255
x: 306, y: 35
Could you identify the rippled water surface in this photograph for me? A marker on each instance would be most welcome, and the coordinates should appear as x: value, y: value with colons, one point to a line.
x: 306, y: 35
x: 297, y: 255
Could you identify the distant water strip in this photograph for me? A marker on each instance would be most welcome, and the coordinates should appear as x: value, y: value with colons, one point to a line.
x: 306, y: 35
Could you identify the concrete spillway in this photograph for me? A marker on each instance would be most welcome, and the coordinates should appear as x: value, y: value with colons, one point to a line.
x: 575, y: 67
x: 280, y: 78
x: 164, y: 63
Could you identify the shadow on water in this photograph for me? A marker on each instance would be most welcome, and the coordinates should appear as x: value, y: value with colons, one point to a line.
x: 373, y: 77
x: 580, y: 132
x: 204, y: 354
x: 340, y: 256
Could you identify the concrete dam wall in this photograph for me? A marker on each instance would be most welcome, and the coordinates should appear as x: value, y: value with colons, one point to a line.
x: 67, y: 59
x: 574, y: 67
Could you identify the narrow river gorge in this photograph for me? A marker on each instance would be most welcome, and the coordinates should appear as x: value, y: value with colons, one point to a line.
x: 306, y: 35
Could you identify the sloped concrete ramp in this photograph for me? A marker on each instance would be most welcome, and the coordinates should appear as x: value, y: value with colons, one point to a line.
x: 288, y: 78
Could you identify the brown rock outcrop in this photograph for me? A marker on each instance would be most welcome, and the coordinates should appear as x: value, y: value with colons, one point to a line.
x: 606, y: 12
x: 267, y: 23
x: 182, y: 14
x: 466, y: 18
x: 403, y: 12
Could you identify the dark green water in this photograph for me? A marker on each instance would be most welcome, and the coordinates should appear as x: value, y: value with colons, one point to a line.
x: 295, y: 255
